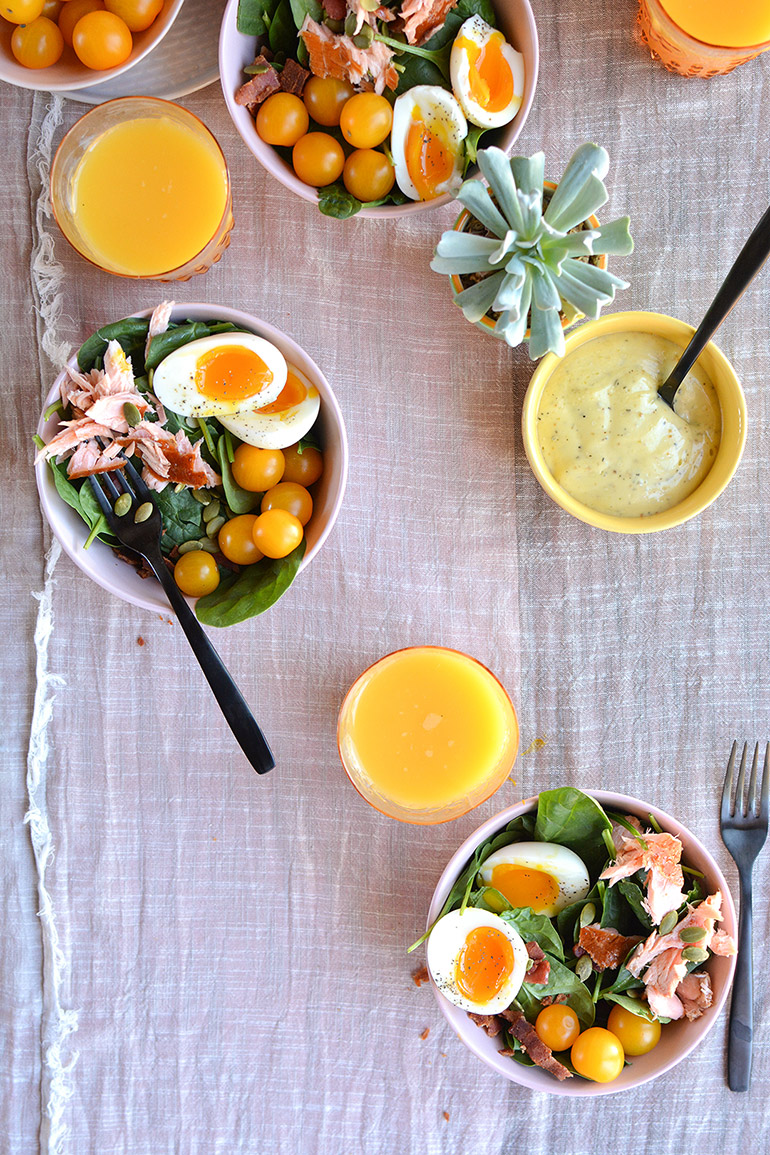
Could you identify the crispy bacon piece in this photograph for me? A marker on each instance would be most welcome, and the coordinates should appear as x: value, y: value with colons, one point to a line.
x: 541, y: 968
x: 491, y: 1024
x: 421, y: 976
x: 606, y: 947
x: 293, y: 77
x: 424, y: 17
x: 258, y: 88
x: 333, y: 55
x: 538, y: 1052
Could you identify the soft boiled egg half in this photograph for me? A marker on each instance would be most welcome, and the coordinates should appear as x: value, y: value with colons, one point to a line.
x: 426, y: 141
x: 487, y: 74
x: 242, y: 380
x: 540, y: 875
x: 477, y: 960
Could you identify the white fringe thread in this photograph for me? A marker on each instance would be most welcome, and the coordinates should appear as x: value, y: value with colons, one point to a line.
x: 57, y: 1022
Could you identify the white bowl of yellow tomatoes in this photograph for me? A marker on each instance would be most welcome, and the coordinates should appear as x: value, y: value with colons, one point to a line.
x: 58, y: 45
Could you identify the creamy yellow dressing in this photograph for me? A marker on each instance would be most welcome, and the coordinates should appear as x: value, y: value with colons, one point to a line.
x: 610, y: 441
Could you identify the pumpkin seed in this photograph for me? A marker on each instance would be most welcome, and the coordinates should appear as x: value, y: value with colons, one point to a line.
x: 209, y: 546
x: 668, y: 922
x: 364, y: 38
x: 201, y: 496
x: 695, y: 954
x: 189, y: 546
x: 587, y: 914
x: 143, y: 512
x: 131, y: 414
x: 180, y: 485
x: 692, y: 933
x: 584, y: 968
x: 350, y: 24
x: 122, y: 505
x: 335, y: 25
x: 214, y: 526
x: 211, y: 511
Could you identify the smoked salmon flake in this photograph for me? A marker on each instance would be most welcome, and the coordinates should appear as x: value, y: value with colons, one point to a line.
x: 424, y: 17
x: 336, y: 55
x: 659, y: 855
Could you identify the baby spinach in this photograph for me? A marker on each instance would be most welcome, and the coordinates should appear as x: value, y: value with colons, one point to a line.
x: 251, y: 592
x: 334, y: 200
x: 634, y: 896
x: 254, y: 16
x: 131, y: 333
x: 563, y: 981
x: 182, y: 517
x: 302, y: 8
x: 635, y: 1006
x: 239, y: 500
x: 282, y: 32
x: 573, y: 819
x: 535, y: 928
x: 177, y: 335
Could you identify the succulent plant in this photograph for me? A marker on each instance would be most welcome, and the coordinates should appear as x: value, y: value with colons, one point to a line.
x: 528, y: 265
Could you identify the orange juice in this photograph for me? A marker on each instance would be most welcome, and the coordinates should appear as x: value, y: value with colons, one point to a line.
x: 149, y: 194
x: 427, y: 733
x: 740, y: 25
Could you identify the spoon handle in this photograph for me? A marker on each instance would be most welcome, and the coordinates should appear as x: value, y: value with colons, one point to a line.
x: 748, y: 263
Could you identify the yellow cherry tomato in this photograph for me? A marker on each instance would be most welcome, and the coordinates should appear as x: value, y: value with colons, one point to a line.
x: 138, y: 14
x: 21, y: 11
x: 277, y: 532
x: 305, y: 468
x: 324, y: 97
x: 236, y: 540
x: 637, y: 1035
x: 196, y: 573
x: 366, y: 120
x: 52, y: 9
x: 318, y: 159
x: 102, y: 40
x: 71, y: 13
x: 37, y: 45
x: 557, y: 1026
x: 257, y: 469
x: 597, y: 1054
x: 282, y: 119
x: 368, y: 174
x: 289, y: 495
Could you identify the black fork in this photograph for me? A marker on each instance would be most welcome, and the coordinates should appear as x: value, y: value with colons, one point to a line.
x: 139, y: 528
x: 743, y: 823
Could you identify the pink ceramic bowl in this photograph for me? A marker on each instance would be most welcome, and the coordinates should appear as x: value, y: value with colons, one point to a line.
x: 678, y: 1038
x: 68, y: 72
x: 120, y: 578
x: 515, y: 20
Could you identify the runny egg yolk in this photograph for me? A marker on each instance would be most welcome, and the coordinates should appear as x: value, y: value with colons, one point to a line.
x: 483, y: 964
x: 489, y: 73
x: 523, y: 886
x: 293, y: 393
x: 429, y: 162
x: 231, y: 373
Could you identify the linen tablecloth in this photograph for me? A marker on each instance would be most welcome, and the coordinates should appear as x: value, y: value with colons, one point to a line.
x: 225, y: 966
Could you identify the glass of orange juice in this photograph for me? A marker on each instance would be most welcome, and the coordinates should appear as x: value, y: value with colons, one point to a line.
x: 426, y: 734
x: 140, y: 187
x: 705, y: 37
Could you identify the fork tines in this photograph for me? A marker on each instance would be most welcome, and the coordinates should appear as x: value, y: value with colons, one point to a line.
x: 739, y: 801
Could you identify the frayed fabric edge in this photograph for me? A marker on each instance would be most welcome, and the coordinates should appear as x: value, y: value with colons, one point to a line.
x: 57, y: 1022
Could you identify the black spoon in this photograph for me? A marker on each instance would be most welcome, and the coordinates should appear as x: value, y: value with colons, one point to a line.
x: 748, y: 263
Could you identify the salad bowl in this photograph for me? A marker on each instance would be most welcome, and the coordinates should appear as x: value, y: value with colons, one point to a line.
x: 237, y: 50
x: 678, y: 1038
x: 68, y: 73
x: 121, y: 579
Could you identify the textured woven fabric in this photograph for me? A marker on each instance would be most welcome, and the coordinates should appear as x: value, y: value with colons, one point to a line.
x: 234, y: 948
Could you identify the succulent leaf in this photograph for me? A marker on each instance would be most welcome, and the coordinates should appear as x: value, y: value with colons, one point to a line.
x: 538, y: 272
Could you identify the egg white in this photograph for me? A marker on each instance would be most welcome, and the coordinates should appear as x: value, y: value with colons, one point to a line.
x: 564, y: 866
x: 174, y: 384
x: 479, y: 32
x: 445, y: 943
x: 277, y: 430
x: 444, y: 118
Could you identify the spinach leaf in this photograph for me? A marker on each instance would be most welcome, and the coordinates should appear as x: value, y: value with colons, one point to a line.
x: 472, y: 143
x: 282, y: 33
x: 616, y: 912
x: 251, y: 592
x: 131, y: 332
x: 624, y: 981
x: 635, y: 1006
x: 489, y: 899
x: 302, y: 8
x: 239, y: 500
x: 334, y: 200
x: 634, y: 896
x: 81, y: 499
x: 523, y: 826
x: 535, y: 928
x: 251, y: 16
x: 177, y: 335
x: 573, y: 819
x: 528, y: 1004
x: 563, y: 981
x: 182, y: 517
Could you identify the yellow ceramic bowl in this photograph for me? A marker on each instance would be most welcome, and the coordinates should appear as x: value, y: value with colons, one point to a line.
x: 731, y: 400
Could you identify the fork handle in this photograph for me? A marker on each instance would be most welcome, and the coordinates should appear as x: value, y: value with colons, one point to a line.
x: 741, y: 1008
x: 231, y: 702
